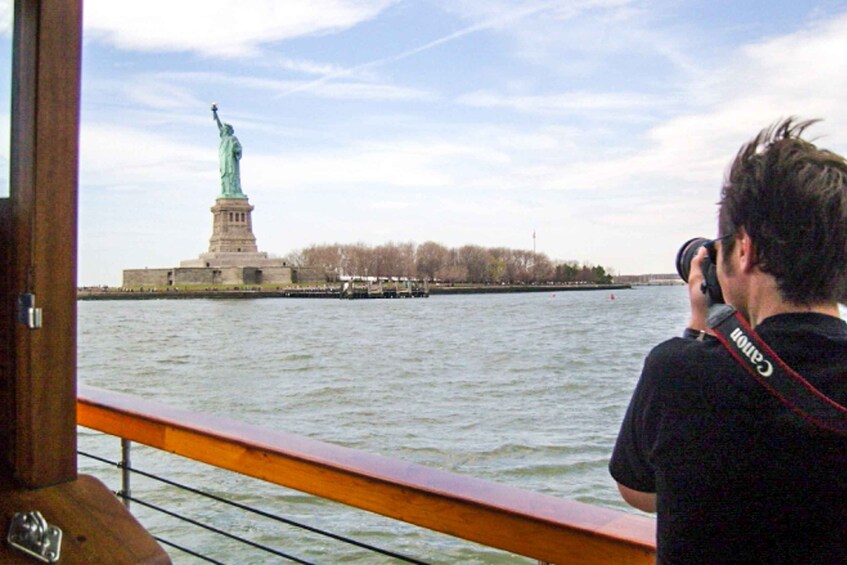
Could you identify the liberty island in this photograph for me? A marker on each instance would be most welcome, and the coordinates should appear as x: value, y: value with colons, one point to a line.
x: 233, y: 257
x: 234, y: 264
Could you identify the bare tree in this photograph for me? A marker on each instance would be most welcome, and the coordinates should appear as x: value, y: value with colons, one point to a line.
x: 357, y: 259
x: 294, y: 258
x: 430, y: 258
x: 475, y: 259
x: 391, y: 259
x: 453, y: 273
x: 325, y: 256
x: 406, y: 253
x: 498, y: 267
x: 542, y: 268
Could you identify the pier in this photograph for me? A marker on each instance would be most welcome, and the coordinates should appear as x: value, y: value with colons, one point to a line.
x: 354, y: 289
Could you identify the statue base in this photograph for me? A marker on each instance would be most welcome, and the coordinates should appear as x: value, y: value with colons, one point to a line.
x: 232, y: 227
x: 236, y: 259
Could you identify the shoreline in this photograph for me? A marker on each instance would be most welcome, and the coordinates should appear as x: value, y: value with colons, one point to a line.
x: 513, y: 289
x: 324, y: 292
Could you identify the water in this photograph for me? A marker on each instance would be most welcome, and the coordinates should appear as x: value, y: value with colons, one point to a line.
x: 522, y: 389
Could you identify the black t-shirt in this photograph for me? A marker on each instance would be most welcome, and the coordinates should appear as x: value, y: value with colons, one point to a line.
x: 738, y: 477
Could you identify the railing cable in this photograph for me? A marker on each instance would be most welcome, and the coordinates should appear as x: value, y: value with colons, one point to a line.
x: 188, y: 551
x: 218, y: 531
x: 246, y: 508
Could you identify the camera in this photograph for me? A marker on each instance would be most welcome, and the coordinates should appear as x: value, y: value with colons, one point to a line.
x: 710, y: 286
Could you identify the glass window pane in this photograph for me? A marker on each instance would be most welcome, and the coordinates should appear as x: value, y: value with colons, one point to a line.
x: 6, y: 15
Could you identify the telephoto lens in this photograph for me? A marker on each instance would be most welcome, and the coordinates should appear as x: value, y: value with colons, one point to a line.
x: 710, y: 287
x: 685, y: 255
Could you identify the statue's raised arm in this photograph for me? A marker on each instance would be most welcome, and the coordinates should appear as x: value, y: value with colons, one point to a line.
x: 215, y: 117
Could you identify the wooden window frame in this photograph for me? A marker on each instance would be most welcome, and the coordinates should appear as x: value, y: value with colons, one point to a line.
x: 39, y: 244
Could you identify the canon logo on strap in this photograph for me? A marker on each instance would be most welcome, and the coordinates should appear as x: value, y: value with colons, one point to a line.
x: 740, y: 339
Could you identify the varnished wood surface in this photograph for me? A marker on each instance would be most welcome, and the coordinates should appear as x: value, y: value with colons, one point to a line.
x: 7, y: 322
x: 43, y: 208
x: 522, y: 522
x: 96, y: 527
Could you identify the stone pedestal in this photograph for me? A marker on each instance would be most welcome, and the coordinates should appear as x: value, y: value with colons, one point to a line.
x: 232, y: 227
x: 233, y: 257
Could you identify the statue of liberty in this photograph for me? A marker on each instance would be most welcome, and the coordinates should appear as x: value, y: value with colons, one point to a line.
x: 229, y: 155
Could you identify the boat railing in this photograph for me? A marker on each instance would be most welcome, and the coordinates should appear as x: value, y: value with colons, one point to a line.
x: 541, y: 527
x: 196, y: 520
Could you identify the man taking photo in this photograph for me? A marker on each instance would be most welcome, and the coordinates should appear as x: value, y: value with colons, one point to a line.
x: 736, y: 472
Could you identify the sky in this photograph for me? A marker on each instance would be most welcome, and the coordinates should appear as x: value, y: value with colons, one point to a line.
x: 604, y: 127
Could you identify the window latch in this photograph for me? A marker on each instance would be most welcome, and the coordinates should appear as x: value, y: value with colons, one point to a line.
x: 28, y: 314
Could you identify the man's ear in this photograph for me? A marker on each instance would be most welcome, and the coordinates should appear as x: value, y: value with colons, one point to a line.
x: 746, y: 250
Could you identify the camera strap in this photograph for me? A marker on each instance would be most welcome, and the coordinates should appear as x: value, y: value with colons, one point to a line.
x: 762, y: 362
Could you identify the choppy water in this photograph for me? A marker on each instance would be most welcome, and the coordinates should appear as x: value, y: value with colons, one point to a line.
x: 522, y: 389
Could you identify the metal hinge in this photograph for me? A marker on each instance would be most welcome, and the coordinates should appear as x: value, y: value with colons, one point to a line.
x: 31, y: 534
x: 28, y: 314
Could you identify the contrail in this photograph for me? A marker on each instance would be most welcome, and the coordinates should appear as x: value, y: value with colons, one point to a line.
x: 486, y: 24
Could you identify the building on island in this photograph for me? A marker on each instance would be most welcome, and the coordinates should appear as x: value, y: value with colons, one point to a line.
x: 233, y: 257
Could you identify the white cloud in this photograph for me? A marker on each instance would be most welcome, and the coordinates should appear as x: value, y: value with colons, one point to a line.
x: 347, y: 89
x: 391, y: 205
x: 219, y: 28
x: 499, y: 18
x: 159, y: 94
x: 6, y: 16
x: 303, y: 66
x: 804, y: 73
x: 403, y: 164
x: 568, y: 102
x: 368, y: 91
x: 122, y: 158
x: 504, y: 10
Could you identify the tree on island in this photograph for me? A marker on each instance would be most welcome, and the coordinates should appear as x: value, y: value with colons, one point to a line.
x: 432, y: 261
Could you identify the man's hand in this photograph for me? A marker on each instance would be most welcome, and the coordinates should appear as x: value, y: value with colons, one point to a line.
x: 699, y: 300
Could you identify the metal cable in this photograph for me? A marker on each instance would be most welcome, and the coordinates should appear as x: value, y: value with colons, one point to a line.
x: 262, y: 513
x: 217, y: 530
x: 188, y: 551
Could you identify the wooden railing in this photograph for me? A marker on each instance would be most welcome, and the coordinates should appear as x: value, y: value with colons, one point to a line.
x: 522, y: 522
